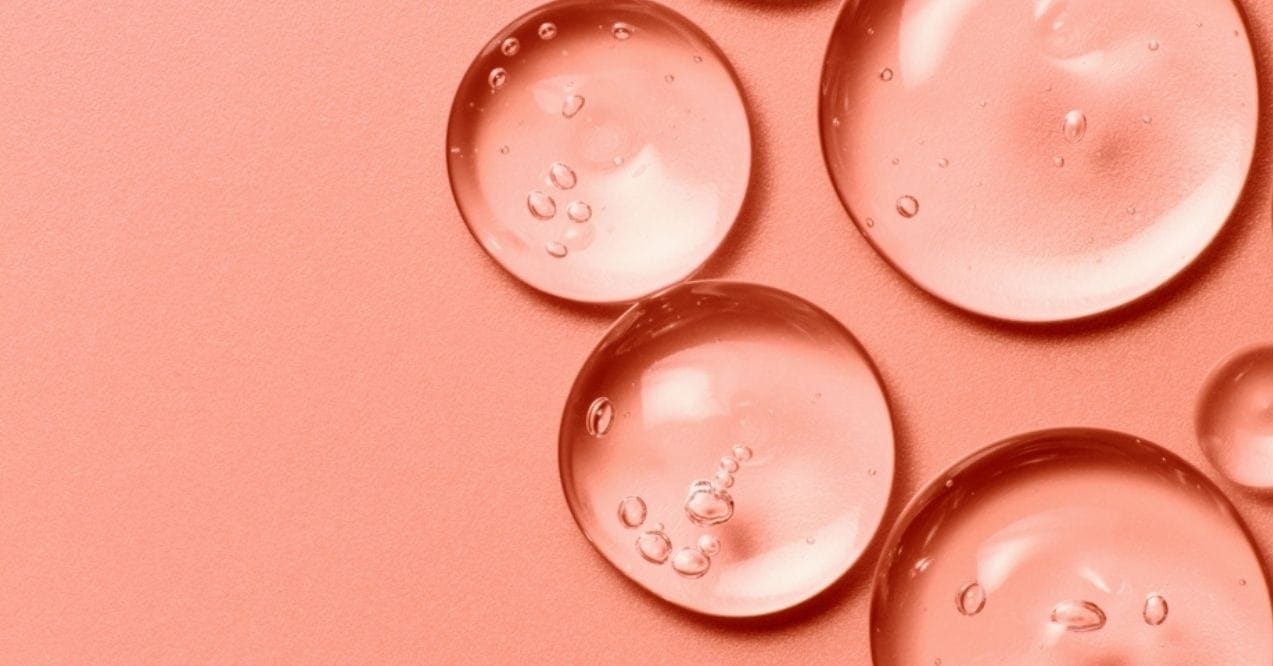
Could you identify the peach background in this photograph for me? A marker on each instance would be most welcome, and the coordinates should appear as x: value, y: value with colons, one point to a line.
x: 263, y: 398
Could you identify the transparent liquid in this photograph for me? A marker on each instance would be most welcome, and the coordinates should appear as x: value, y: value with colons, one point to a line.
x: 1068, y: 547
x: 1039, y: 160
x: 752, y: 427
x: 606, y: 155
x: 1235, y: 418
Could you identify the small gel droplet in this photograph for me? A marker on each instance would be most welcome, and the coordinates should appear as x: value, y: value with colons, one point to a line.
x: 723, y: 479
x: 886, y: 74
x: 691, y: 562
x: 547, y: 30
x: 907, y: 206
x: 621, y: 31
x: 709, y: 544
x: 1155, y: 610
x: 708, y: 506
x: 729, y: 464
x: 556, y: 249
x: 1074, y: 126
x: 561, y: 176
x: 541, y: 205
x: 632, y: 512
x: 600, y: 412
x: 1058, y: 162
x: 669, y: 78
x: 742, y: 453
x: 971, y: 598
x: 579, y: 211
x: 1153, y: 45
x: 943, y: 163
x: 1078, y: 616
x: 510, y: 47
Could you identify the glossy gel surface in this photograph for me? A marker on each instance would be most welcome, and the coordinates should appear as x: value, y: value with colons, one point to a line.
x: 710, y: 377
x: 1078, y: 541
x: 1235, y: 418
x: 606, y: 156
x: 1039, y: 160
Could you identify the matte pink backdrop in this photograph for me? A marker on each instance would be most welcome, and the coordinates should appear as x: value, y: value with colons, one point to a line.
x: 262, y: 397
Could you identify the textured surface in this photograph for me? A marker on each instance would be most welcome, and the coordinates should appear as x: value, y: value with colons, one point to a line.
x: 262, y: 396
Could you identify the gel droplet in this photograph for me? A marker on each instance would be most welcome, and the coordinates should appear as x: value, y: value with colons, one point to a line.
x: 579, y: 211
x: 907, y: 206
x: 886, y: 74
x: 578, y: 237
x: 971, y: 599
x: 723, y: 479
x: 556, y: 249
x: 741, y: 453
x: 594, y: 103
x: 729, y: 464
x: 1153, y: 45
x: 541, y: 205
x: 561, y: 176
x: 1078, y: 616
x: 497, y: 78
x: 1234, y: 417
x: 654, y: 546
x: 621, y: 31
x: 632, y: 512
x: 571, y: 105
x: 943, y: 163
x: 1066, y: 532
x: 1074, y: 126
x: 695, y: 368
x: 510, y: 47
x: 600, y: 417
x: 691, y: 562
x: 1155, y: 612
x: 1058, y: 161
x: 709, y: 544
x: 669, y: 78
x: 1026, y: 229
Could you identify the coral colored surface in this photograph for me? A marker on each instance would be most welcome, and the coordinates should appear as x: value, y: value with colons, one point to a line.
x: 262, y: 397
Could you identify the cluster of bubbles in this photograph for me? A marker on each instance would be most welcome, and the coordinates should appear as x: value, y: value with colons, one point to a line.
x: 1075, y: 615
x: 708, y: 504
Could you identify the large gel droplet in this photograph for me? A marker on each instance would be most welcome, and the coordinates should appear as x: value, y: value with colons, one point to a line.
x: 1235, y: 418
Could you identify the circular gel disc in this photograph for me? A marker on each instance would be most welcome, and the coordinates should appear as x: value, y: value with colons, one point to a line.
x: 1071, y: 547
x: 599, y: 150
x: 728, y: 447
x: 1039, y: 160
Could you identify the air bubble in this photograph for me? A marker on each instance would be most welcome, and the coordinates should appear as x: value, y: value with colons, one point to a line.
x: 1058, y: 161
x: 741, y: 453
x: 691, y: 562
x: 907, y: 206
x: 729, y: 464
x: 621, y: 31
x: 510, y: 47
x: 561, y: 176
x: 886, y: 74
x: 669, y: 78
x: 556, y: 249
x: 541, y: 205
x: 1074, y: 126
x: 971, y: 599
x: 547, y: 31
x: 632, y: 512
x: 693, y: 366
x: 1234, y: 417
x: 600, y: 417
x: 497, y: 78
x: 1079, y: 616
x: 654, y: 546
x: 709, y: 544
x: 571, y: 105
x: 1153, y: 45
x: 943, y: 163
x: 579, y: 211
x: 1155, y: 612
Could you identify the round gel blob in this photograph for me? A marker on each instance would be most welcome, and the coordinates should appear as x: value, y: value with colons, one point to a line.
x: 1235, y: 418
x: 599, y: 150
x: 754, y: 431
x: 1071, y: 547
x: 1041, y: 160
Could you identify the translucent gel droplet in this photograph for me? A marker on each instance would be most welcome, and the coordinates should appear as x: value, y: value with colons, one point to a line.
x: 654, y: 546
x: 742, y: 453
x: 1074, y: 126
x: 1068, y: 532
x: 632, y: 512
x: 907, y: 206
x: 691, y: 562
x: 971, y: 599
x: 729, y: 464
x: 510, y: 46
x: 556, y: 249
x: 562, y: 176
x: 1155, y: 610
x: 597, y: 102
x: 701, y: 369
x: 578, y: 237
x: 579, y: 211
x: 600, y: 416
x: 709, y: 544
x: 1235, y: 418
x: 709, y: 506
x: 541, y: 205
x: 886, y: 74
x: 1153, y: 45
x: 990, y: 85
x: 571, y: 105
